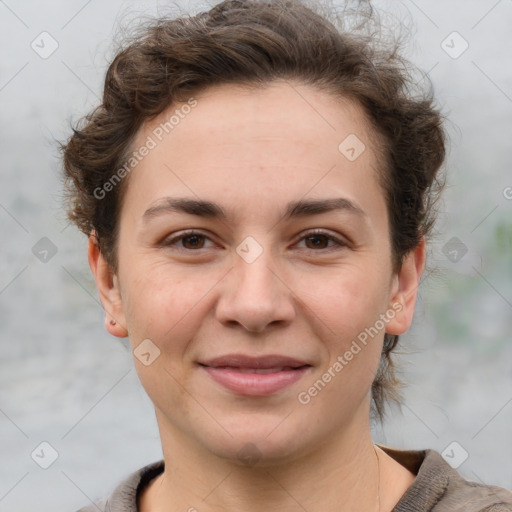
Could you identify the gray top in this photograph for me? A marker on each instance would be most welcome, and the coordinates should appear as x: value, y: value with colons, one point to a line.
x: 437, y: 488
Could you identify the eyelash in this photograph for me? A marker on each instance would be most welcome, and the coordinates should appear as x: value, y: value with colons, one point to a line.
x: 316, y: 232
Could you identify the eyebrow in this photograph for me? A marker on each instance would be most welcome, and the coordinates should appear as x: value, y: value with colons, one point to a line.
x: 209, y: 209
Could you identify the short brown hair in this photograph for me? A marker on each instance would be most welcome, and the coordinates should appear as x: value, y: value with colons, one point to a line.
x: 254, y: 42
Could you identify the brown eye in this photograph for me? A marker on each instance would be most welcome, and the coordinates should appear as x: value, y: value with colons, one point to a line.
x: 194, y: 241
x: 190, y: 241
x: 318, y: 240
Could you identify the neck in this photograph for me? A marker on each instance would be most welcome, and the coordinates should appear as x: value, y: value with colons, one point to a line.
x: 340, y: 474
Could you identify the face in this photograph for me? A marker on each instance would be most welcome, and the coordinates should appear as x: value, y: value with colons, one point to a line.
x: 251, y: 240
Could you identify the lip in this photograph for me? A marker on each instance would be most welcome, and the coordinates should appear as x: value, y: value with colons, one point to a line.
x: 233, y: 372
x: 244, y: 361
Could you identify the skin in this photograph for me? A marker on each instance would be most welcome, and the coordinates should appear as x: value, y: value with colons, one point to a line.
x: 252, y: 152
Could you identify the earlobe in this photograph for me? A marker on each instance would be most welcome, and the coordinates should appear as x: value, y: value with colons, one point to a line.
x: 108, y: 289
x: 405, y: 289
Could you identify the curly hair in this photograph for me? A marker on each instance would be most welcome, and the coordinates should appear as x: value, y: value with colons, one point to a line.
x: 255, y: 42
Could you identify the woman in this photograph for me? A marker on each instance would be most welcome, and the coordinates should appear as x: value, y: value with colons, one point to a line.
x: 258, y: 188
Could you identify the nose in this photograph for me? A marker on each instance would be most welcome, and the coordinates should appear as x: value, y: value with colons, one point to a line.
x: 254, y: 295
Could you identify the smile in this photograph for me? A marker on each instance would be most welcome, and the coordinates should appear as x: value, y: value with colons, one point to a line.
x: 251, y: 376
x: 261, y: 370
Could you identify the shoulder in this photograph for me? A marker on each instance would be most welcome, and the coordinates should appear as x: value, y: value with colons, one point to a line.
x: 440, y: 488
x: 124, y: 496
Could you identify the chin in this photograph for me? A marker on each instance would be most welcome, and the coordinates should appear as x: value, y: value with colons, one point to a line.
x: 260, y: 446
x: 255, y: 453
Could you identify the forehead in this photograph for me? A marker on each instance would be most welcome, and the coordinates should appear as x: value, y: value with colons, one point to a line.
x: 244, y: 112
x: 285, y: 136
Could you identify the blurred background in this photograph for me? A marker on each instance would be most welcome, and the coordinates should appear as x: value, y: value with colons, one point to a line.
x: 74, y: 419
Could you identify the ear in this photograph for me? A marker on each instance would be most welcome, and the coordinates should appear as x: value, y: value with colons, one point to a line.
x: 405, y: 289
x: 108, y: 289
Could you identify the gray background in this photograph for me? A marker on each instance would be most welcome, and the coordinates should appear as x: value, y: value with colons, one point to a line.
x: 64, y: 380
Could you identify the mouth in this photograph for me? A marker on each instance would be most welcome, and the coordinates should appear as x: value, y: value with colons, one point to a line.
x: 255, y: 376
x: 260, y: 371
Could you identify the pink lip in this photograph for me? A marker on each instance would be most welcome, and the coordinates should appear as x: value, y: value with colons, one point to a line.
x: 229, y: 372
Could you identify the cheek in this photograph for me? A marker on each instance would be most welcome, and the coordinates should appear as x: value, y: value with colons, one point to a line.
x: 352, y: 347
x: 348, y: 299
x: 156, y: 296
x: 164, y: 307
x: 348, y: 308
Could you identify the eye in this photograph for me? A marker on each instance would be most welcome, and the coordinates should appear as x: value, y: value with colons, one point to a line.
x: 194, y: 240
x: 319, y: 239
x: 190, y: 240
